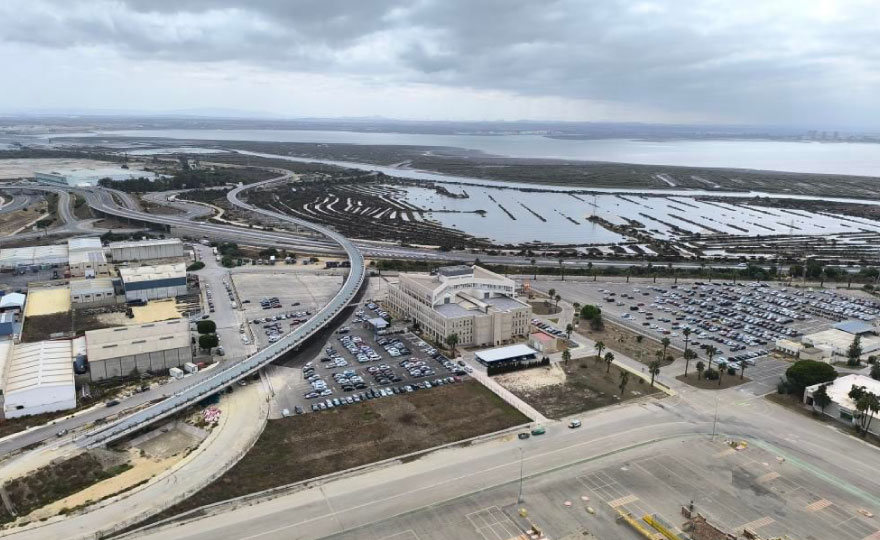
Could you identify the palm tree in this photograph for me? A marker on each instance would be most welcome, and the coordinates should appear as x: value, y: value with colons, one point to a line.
x: 562, y: 268
x: 687, y: 336
x: 568, y: 330
x: 452, y: 341
x: 624, y: 379
x: 566, y: 356
x: 721, y: 367
x: 710, y: 352
x: 609, y: 358
x: 665, y: 342
x: 557, y: 298
x: 577, y: 309
x: 742, y: 369
x: 688, y: 356
x: 700, y: 367
x: 551, y: 293
x: 654, y: 369
x: 535, y: 269
x: 599, y: 346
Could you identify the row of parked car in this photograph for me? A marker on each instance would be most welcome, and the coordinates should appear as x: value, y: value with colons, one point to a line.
x: 548, y: 328
x: 377, y: 393
x: 362, y: 352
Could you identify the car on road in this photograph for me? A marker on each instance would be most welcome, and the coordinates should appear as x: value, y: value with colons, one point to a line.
x: 112, y: 403
x: 62, y: 433
x: 574, y: 424
x: 523, y: 436
x: 538, y: 430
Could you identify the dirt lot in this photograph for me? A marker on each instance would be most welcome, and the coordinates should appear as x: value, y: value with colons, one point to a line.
x: 582, y: 385
x: 626, y: 341
x: 301, y: 447
x: 541, y: 307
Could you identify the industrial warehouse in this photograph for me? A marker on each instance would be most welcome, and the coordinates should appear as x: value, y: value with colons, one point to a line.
x: 154, y: 347
x: 153, y: 282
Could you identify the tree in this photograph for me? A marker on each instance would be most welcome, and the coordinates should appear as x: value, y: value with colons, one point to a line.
x: 854, y: 353
x: 577, y: 309
x: 700, y: 367
x: 804, y: 373
x: 875, y: 372
x: 624, y: 379
x: 198, y: 265
x: 721, y: 367
x: 640, y: 338
x: 688, y: 356
x: 868, y: 404
x: 821, y: 397
x: 566, y: 356
x: 551, y: 293
x: 208, y: 342
x: 535, y: 269
x: 206, y: 327
x: 665, y: 342
x: 609, y: 359
x: 654, y: 370
x: 710, y: 352
x: 599, y: 346
x: 589, y: 312
x: 452, y: 341
x: 557, y: 298
x: 742, y: 369
x: 568, y: 330
x: 687, y: 336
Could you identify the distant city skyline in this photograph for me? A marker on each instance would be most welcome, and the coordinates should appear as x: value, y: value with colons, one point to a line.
x: 805, y: 64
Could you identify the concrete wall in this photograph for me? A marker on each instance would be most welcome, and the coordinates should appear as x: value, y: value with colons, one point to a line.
x: 147, y: 252
x: 157, y: 362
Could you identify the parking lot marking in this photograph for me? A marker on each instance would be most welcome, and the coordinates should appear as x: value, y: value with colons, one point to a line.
x: 772, y: 475
x: 818, y: 505
x: 726, y: 452
x: 757, y: 524
x: 403, y: 535
x: 492, y: 524
x: 623, y: 500
x: 875, y: 536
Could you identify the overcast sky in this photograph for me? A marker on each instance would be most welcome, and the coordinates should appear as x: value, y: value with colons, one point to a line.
x: 798, y: 62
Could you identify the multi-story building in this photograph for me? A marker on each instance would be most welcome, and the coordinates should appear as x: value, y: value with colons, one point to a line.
x: 477, y: 305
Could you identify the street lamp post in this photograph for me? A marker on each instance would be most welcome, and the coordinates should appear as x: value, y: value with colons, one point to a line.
x: 519, y: 498
x: 715, y: 420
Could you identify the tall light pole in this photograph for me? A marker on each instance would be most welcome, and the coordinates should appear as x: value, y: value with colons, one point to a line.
x: 715, y: 420
x: 519, y: 497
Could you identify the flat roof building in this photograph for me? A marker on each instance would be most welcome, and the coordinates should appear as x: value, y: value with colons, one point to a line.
x: 506, y: 355
x: 475, y: 304
x: 153, y: 282
x: 12, y: 302
x: 92, y: 292
x: 39, y: 379
x: 143, y: 250
x: 842, y: 407
x: 51, y: 178
x: 86, y: 258
x: 153, y: 347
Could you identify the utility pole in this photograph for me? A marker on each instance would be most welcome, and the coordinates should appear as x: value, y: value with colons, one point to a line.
x: 715, y: 420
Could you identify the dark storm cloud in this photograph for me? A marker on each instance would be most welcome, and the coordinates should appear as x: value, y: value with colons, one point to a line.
x: 777, y: 59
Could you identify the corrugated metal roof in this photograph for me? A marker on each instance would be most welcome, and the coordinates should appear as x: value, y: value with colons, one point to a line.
x: 855, y: 327
x: 45, y: 363
x: 142, y: 243
x: 31, y: 255
x: 5, y: 355
x: 137, y: 339
x: 84, y: 244
x: 85, y: 256
x: 152, y: 272
x: 12, y: 300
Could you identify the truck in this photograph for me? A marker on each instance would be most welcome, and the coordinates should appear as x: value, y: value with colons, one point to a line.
x: 189, y: 367
x: 176, y: 373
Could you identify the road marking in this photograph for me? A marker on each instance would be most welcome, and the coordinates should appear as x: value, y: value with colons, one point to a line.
x: 875, y: 536
x: 410, y: 535
x: 772, y: 475
x: 818, y: 505
x: 757, y: 524
x: 725, y: 452
x: 494, y: 526
x: 622, y: 501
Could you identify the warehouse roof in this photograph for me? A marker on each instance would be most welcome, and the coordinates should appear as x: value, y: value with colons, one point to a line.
x: 5, y: 355
x: 44, y: 363
x: 511, y: 352
x: 141, y: 243
x: 137, y: 339
x: 84, y: 244
x: 839, y: 389
x: 86, y: 286
x: 27, y: 256
x: 12, y: 300
x: 85, y: 257
x: 855, y: 327
x: 152, y: 272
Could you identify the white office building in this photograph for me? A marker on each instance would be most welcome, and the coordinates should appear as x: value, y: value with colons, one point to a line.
x: 477, y: 305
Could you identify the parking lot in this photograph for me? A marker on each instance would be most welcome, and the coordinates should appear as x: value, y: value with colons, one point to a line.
x: 358, y: 364
x: 274, y: 302
x: 742, y: 321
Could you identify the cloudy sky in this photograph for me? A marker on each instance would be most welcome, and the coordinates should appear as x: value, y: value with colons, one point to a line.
x: 798, y: 62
